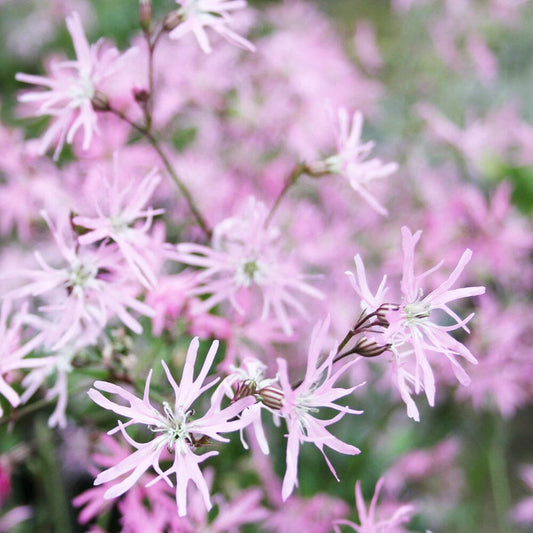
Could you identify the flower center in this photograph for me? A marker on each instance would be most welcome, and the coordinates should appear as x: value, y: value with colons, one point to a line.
x: 417, y: 311
x: 176, y: 427
x: 82, y: 89
x: 118, y: 224
x: 81, y: 275
x: 248, y: 272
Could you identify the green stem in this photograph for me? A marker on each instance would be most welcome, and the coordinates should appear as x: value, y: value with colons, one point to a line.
x: 499, y: 478
x: 151, y: 41
x: 299, y: 170
x: 168, y: 166
x: 54, y: 489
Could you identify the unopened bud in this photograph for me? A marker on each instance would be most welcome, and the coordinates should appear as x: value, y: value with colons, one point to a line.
x: 369, y: 348
x: 243, y: 389
x: 99, y: 101
x: 382, y: 312
x: 145, y: 14
x: 172, y: 19
x: 271, y: 397
x: 141, y: 96
x: 318, y: 169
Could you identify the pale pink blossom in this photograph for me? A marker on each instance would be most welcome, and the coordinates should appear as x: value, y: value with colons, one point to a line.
x: 351, y: 159
x: 522, y: 513
x: 249, y: 379
x: 247, y: 255
x: 58, y: 365
x: 370, y: 520
x: 243, y: 508
x: 12, y: 518
x: 119, y: 222
x: 137, y: 517
x: 174, y: 429
x: 413, y: 326
x: 503, y: 380
x: 312, y: 515
x: 197, y: 15
x: 81, y: 296
x: 366, y: 46
x: 72, y: 88
x: 412, y: 329
x: 300, y: 404
x: 13, y: 352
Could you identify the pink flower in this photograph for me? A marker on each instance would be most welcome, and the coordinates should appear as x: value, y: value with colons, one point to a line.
x: 174, y: 429
x: 316, y: 390
x: 411, y: 334
x: 126, y: 205
x: 368, y: 519
x: 196, y: 15
x: 83, y: 295
x: 413, y: 326
x: 59, y: 364
x: 523, y: 512
x: 245, y: 255
x: 13, y: 352
x: 312, y: 515
x: 72, y: 88
x: 350, y: 159
x: 137, y: 517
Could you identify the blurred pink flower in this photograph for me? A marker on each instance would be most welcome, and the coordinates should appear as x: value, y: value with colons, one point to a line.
x: 351, y: 161
x: 196, y: 15
x: 174, y: 430
x: 369, y: 522
x: 244, y: 507
x: 126, y: 206
x: 312, y: 515
x: 246, y: 254
x: 72, y: 89
x: 13, y: 351
x: 522, y: 513
x: 316, y: 390
x: 137, y: 516
x: 502, y: 341
x: 83, y: 295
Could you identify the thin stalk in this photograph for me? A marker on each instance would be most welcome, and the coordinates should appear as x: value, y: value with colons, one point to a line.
x: 54, y: 487
x: 299, y: 170
x: 151, y: 42
x: 177, y: 180
x: 498, y: 477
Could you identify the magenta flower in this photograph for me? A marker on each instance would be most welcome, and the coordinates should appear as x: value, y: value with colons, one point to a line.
x: 174, y: 429
x: 351, y: 160
x: 72, y: 88
x: 196, y: 15
x: 300, y: 403
x: 126, y: 207
x: 368, y: 518
x: 246, y: 254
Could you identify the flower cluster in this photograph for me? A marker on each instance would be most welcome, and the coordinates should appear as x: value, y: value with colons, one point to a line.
x: 175, y: 289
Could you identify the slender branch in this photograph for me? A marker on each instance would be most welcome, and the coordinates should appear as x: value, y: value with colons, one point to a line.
x: 177, y: 180
x: 26, y: 410
x: 299, y: 170
x: 151, y: 42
